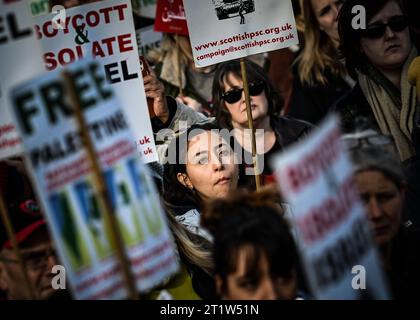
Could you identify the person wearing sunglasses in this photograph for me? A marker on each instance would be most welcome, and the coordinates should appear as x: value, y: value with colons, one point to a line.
x: 378, y: 57
x: 273, y: 132
x: 368, y: 138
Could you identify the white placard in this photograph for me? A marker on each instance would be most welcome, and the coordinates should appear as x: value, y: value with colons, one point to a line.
x: 104, y: 30
x: 332, y: 230
x: 219, y: 33
x: 20, y: 60
x: 148, y: 39
x: 64, y: 179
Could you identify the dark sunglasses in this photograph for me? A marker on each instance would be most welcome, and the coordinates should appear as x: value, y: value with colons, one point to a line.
x: 374, y: 140
x: 234, y: 95
x: 377, y: 30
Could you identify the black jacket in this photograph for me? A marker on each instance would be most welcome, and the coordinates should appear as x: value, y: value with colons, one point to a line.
x: 312, y: 103
x: 352, y: 108
x: 287, y: 131
x: 404, y: 275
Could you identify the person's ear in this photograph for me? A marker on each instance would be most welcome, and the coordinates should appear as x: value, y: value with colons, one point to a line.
x: 184, y: 180
x: 3, y: 278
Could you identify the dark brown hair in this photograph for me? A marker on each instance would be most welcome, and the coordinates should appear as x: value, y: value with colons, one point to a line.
x: 253, y: 222
x: 255, y: 73
x: 350, y: 46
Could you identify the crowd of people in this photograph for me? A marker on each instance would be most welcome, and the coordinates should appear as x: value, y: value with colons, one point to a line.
x: 235, y: 242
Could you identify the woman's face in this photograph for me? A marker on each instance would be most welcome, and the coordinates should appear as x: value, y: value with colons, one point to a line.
x: 389, y: 51
x: 211, y: 168
x: 240, y: 285
x: 326, y: 12
x: 237, y: 110
x: 383, y: 202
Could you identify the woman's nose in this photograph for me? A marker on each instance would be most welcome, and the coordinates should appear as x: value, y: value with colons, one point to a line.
x: 375, y: 210
x: 217, y: 162
x: 389, y: 33
x: 243, y: 98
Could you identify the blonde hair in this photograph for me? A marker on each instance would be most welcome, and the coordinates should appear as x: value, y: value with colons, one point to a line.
x: 168, y: 46
x: 193, y: 251
x: 319, y: 53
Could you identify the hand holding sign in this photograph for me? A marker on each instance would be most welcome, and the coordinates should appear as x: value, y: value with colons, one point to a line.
x: 155, y: 90
x: 103, y: 30
x: 190, y: 102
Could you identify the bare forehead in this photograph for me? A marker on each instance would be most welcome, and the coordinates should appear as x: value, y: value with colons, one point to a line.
x: 205, y: 141
x: 372, y: 178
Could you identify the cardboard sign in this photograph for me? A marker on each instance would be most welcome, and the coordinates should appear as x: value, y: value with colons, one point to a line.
x: 103, y: 30
x: 20, y: 60
x: 147, y: 8
x: 148, y: 39
x: 170, y: 17
x: 226, y: 30
x: 64, y: 181
x: 332, y: 230
x: 39, y: 7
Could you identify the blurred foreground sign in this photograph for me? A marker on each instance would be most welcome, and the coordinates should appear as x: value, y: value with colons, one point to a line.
x: 103, y: 30
x: 20, y: 60
x: 332, y: 230
x: 64, y: 180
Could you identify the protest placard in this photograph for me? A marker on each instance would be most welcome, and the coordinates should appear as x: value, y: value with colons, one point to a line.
x: 20, y: 60
x: 63, y: 178
x: 170, y: 17
x: 103, y: 30
x: 39, y: 7
x: 226, y: 30
x: 332, y: 229
x: 147, y: 39
x: 146, y: 8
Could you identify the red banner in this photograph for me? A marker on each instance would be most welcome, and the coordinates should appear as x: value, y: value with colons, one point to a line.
x: 170, y: 17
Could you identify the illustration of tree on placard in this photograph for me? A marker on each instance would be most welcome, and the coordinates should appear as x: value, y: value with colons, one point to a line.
x: 64, y: 221
x: 122, y: 200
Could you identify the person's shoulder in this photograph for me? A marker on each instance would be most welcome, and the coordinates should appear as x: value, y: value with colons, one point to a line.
x: 353, y: 97
x: 353, y: 106
x: 290, y: 129
x: 284, y: 122
x: 406, y: 247
x: 410, y: 234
